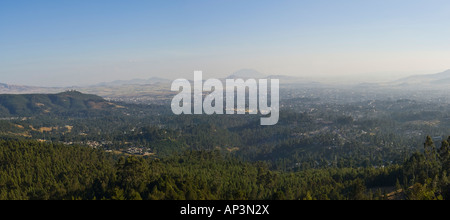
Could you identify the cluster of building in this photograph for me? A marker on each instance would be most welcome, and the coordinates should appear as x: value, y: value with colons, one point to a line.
x: 141, y: 151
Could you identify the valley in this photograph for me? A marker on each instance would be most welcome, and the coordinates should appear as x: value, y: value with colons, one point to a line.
x: 322, y: 129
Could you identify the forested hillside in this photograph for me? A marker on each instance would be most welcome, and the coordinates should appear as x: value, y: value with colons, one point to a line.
x: 45, y: 104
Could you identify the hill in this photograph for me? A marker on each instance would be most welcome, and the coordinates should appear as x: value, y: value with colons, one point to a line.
x: 426, y: 81
x: 38, y: 104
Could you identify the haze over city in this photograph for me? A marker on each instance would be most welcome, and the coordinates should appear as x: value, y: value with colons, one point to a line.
x: 66, y: 43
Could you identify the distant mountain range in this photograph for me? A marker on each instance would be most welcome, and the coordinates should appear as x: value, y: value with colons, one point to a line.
x: 254, y: 74
x: 104, y: 88
x: 139, y: 87
x: 153, y: 80
x: 247, y: 74
x: 6, y: 88
x: 18, y: 89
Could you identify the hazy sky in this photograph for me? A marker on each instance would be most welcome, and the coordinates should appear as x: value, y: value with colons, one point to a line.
x: 74, y: 42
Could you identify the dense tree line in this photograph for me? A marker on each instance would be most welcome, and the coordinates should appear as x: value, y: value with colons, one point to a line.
x: 36, y: 170
x: 425, y: 175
